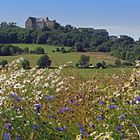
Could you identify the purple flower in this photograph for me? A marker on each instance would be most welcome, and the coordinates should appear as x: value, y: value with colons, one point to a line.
x: 138, y: 98
x: 37, y: 108
x: 19, y: 99
x: 133, y: 101
x: 18, y: 138
x: 113, y: 100
x: 112, y: 106
x: 92, y: 126
x: 12, y: 95
x: 6, y: 136
x: 64, y: 109
x: 83, y: 130
x: 77, y: 104
x: 100, y: 118
x: 8, y: 126
x: 119, y: 128
x: 123, y: 116
x: 49, y: 97
x: 34, y: 127
x: 71, y: 101
x: 61, y: 128
x: 101, y: 102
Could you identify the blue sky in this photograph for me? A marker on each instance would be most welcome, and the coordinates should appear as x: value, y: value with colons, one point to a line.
x: 117, y: 16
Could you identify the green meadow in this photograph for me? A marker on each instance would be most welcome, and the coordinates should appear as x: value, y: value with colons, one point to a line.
x: 59, y: 58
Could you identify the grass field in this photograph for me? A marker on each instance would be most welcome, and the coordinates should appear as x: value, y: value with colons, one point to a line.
x: 59, y: 58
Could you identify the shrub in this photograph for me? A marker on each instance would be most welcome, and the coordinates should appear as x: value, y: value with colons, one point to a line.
x: 25, y: 64
x: 117, y: 63
x: 44, y: 62
x: 3, y: 63
x: 26, y: 50
x: 40, y: 50
x: 100, y: 65
x: 58, y: 50
x: 84, y: 60
x: 127, y: 64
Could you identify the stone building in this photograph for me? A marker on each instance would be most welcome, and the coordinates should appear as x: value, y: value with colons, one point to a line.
x: 40, y: 23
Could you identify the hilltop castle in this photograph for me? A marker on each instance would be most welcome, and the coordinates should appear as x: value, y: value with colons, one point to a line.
x: 40, y: 23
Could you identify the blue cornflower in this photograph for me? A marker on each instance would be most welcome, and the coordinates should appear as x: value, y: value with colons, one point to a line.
x: 61, y: 128
x: 92, y: 126
x: 37, y: 108
x: 49, y: 97
x: 12, y: 95
x: 119, y: 128
x: 133, y: 101
x: 113, y: 100
x: 112, y: 106
x: 77, y: 104
x: 123, y: 116
x: 71, y: 101
x: 8, y: 126
x: 100, y: 118
x: 34, y: 127
x: 64, y: 109
x: 101, y: 102
x: 19, y: 99
x: 138, y: 98
x: 6, y: 136
x: 83, y: 130
x: 18, y: 138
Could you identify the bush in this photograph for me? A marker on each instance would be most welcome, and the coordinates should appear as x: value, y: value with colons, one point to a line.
x: 3, y: 63
x: 40, y: 50
x: 58, y: 50
x: 127, y: 64
x: 25, y: 64
x: 7, y: 50
x: 84, y: 60
x: 26, y: 50
x: 100, y: 65
x: 44, y: 62
x: 117, y: 63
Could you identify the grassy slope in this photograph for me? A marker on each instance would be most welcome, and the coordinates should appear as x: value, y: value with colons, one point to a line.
x: 59, y: 58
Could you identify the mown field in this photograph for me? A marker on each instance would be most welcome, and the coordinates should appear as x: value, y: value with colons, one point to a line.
x: 59, y: 58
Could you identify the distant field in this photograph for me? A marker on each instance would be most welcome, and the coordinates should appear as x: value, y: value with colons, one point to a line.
x: 59, y: 58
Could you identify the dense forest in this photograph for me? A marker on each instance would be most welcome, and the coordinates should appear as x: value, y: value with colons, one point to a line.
x: 78, y: 39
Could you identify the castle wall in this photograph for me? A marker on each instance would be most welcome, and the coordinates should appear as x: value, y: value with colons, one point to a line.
x: 37, y: 23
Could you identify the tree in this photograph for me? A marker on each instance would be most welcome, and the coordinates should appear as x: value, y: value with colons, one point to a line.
x: 4, y: 24
x: 84, y: 60
x: 26, y: 50
x: 138, y: 58
x: 104, y: 64
x: 25, y: 64
x: 44, y: 61
x: 99, y: 65
x: 117, y: 63
x: 40, y: 50
x: 5, y: 51
x: 3, y: 63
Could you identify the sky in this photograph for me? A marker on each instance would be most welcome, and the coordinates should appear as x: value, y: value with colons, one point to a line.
x: 118, y: 17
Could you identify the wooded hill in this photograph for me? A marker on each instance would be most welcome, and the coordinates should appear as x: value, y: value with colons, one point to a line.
x: 78, y: 39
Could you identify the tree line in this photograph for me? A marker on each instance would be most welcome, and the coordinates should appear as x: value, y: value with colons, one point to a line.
x: 78, y: 39
x: 7, y: 50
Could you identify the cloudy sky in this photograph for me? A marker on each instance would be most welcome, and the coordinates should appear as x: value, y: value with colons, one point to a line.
x: 119, y: 17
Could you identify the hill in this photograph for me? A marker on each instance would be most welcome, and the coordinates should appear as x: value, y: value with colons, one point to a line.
x: 77, y: 39
x: 59, y: 58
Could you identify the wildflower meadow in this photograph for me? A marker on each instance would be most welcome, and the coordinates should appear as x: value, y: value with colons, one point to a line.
x: 58, y: 104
